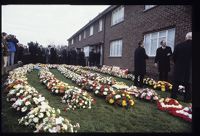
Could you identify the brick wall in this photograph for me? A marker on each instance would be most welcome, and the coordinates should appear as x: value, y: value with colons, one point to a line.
x: 137, y: 22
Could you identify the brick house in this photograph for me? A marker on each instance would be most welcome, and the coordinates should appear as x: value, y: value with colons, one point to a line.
x: 118, y: 29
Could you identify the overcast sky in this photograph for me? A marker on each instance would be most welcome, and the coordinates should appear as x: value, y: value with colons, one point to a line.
x: 46, y: 24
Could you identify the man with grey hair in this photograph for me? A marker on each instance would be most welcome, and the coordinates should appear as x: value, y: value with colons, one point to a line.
x: 182, y: 67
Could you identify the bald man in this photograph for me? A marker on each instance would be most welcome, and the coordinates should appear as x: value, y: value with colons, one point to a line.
x: 182, y: 57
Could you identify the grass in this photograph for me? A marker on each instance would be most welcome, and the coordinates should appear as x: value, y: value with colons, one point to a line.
x: 143, y: 117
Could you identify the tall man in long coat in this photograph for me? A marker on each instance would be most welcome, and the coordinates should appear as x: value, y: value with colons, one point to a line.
x: 162, y: 60
x: 91, y: 58
x: 140, y: 64
x: 182, y: 67
x: 73, y: 56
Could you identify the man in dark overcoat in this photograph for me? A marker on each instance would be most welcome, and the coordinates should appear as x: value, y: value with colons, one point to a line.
x: 91, y: 58
x: 162, y: 60
x: 82, y: 57
x: 140, y: 57
x: 182, y: 57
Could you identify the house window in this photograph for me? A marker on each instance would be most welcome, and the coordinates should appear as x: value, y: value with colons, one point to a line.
x: 116, y: 48
x: 72, y: 41
x: 91, y: 30
x: 84, y: 34
x: 146, y: 7
x: 79, y: 37
x: 100, y: 25
x: 117, y: 15
x: 152, y: 40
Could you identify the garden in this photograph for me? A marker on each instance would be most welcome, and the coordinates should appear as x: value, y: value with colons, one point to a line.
x: 65, y: 98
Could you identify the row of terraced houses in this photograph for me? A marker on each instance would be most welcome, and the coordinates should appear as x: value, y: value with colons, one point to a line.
x: 118, y: 29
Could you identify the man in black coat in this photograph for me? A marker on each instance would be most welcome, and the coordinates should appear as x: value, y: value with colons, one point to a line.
x: 162, y: 60
x: 140, y: 64
x: 20, y: 52
x: 53, y: 57
x: 82, y: 57
x: 91, y: 57
x: 73, y: 56
x: 182, y: 63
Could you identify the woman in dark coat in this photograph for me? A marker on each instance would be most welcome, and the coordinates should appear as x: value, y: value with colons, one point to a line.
x: 163, y: 60
x: 182, y: 63
x: 140, y: 64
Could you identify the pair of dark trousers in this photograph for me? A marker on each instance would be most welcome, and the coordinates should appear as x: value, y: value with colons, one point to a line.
x: 163, y: 76
x: 187, y: 94
x: 140, y: 82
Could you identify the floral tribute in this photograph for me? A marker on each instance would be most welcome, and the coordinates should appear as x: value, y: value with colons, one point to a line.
x: 185, y: 113
x: 53, y: 84
x: 146, y: 93
x: 121, y: 98
x: 163, y: 86
x: 168, y: 104
x: 46, y: 119
x: 120, y: 86
x: 77, y: 99
x: 103, y: 90
x: 92, y: 76
x: 33, y: 106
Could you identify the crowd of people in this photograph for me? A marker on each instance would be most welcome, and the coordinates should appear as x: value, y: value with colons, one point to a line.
x: 13, y: 52
x: 182, y: 57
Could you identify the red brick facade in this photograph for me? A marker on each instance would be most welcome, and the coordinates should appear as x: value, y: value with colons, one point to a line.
x: 137, y: 22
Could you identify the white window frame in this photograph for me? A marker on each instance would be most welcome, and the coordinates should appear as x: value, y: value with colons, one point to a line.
x: 148, y: 47
x: 91, y: 30
x: 116, y: 48
x: 79, y: 37
x: 100, y: 25
x: 117, y: 15
x: 147, y: 7
x: 84, y: 34
x: 72, y: 41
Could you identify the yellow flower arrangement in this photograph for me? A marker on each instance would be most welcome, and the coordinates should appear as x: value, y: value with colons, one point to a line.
x: 111, y: 101
x: 132, y: 102
x: 124, y: 103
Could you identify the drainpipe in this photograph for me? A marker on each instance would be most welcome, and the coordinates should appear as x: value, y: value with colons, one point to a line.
x: 103, y: 45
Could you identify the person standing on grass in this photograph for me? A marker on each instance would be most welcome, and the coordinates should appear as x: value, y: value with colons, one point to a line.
x: 20, y: 52
x: 48, y: 54
x: 82, y: 57
x: 182, y: 57
x: 140, y: 57
x: 162, y: 60
x: 4, y: 46
x: 11, y: 50
x: 91, y: 58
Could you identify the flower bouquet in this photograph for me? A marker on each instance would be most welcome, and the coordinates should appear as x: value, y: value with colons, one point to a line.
x: 149, y: 82
x: 148, y: 94
x: 131, y: 77
x: 106, y: 80
x: 77, y: 99
x: 168, y: 104
x: 120, y: 86
x: 121, y: 98
x: 185, y: 113
x: 60, y: 88
x: 56, y: 125
x: 38, y: 114
x: 132, y: 90
x: 103, y: 90
x: 163, y: 86
x: 181, y: 89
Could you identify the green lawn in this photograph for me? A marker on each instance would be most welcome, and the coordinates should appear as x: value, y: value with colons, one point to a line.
x: 143, y: 117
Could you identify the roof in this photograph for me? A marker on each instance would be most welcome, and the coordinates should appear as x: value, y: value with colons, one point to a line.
x: 110, y: 8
